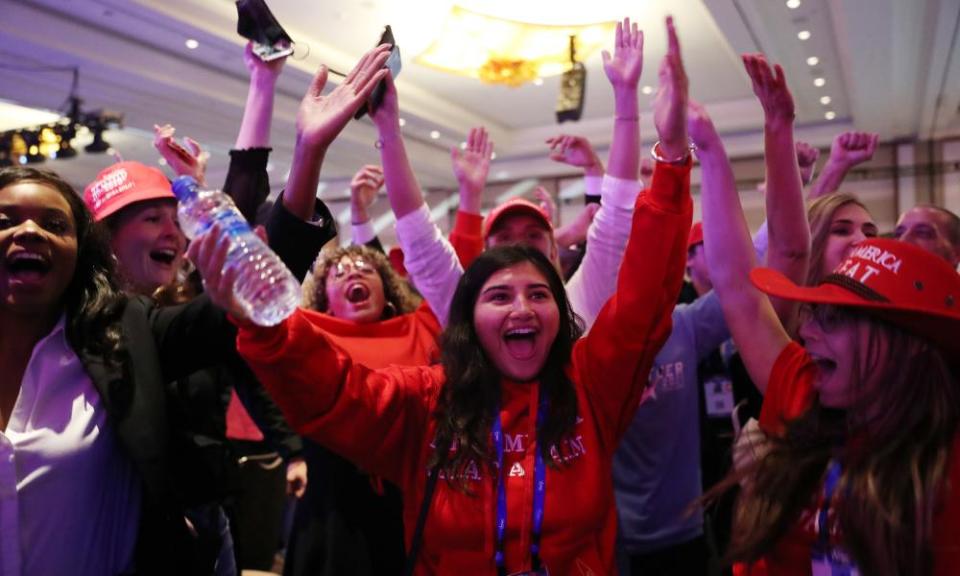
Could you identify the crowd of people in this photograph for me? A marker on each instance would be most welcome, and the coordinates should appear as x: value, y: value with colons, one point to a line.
x: 629, y: 393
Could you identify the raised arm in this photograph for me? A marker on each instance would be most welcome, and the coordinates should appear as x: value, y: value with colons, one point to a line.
x: 364, y: 188
x: 614, y: 359
x: 319, y: 121
x: 789, y: 235
x: 594, y: 281
x: 754, y: 325
x: 848, y: 150
x: 471, y: 167
x: 258, y: 111
x: 429, y: 258
x: 578, y: 152
x: 188, y: 160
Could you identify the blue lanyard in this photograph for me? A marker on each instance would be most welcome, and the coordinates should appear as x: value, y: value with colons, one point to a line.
x: 539, y: 490
x: 829, y: 487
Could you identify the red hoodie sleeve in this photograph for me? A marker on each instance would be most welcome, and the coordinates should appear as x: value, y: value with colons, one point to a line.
x: 613, y: 361
x: 467, y: 237
x: 377, y: 419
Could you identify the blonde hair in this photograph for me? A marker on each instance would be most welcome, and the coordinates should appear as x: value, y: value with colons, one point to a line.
x: 820, y: 215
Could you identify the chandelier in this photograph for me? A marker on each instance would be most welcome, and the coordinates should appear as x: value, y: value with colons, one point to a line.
x: 501, y: 51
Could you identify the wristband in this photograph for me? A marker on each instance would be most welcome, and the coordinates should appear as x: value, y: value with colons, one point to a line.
x: 655, y: 152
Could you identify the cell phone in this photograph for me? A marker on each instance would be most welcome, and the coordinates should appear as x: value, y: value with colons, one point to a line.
x: 393, y: 64
x: 270, y: 52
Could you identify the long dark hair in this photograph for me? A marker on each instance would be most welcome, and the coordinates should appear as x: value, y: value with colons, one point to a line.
x: 92, y: 301
x: 472, y: 391
x: 894, y: 445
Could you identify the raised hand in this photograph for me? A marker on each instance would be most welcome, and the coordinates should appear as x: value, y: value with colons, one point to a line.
x: 852, y: 148
x: 576, y: 231
x: 364, y: 186
x: 209, y: 254
x: 184, y: 161
x: 547, y: 203
x: 807, y: 160
x: 387, y: 116
x: 770, y: 86
x: 670, y: 103
x: 471, y: 165
x: 701, y: 129
x: 260, y: 70
x: 575, y: 151
x: 322, y: 117
x: 624, y: 67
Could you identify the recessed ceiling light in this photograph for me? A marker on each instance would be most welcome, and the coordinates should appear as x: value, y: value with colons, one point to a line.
x: 647, y: 90
x: 819, y: 82
x: 403, y: 122
x: 162, y: 161
x: 793, y: 4
x: 463, y: 145
x: 538, y: 81
x: 434, y: 134
x: 111, y: 152
x: 192, y: 44
x: 824, y: 100
x: 830, y: 115
x: 493, y: 155
x: 813, y: 61
x: 803, y: 34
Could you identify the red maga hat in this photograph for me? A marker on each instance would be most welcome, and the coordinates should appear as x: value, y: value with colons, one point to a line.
x: 515, y: 206
x: 696, y: 235
x: 123, y: 184
x: 895, y: 281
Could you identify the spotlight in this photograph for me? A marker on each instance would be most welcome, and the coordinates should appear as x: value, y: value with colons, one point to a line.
x: 573, y: 85
x: 31, y: 143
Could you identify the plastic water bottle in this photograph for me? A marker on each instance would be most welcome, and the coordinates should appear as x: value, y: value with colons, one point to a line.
x: 264, y: 286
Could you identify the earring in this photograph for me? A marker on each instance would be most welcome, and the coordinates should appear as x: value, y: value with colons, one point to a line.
x: 389, y: 310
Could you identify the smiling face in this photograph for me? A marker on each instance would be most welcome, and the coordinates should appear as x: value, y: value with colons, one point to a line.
x: 38, y: 248
x: 850, y: 225
x: 355, y: 291
x: 148, y: 244
x: 516, y: 319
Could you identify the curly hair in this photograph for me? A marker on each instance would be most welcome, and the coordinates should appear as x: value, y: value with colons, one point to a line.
x: 396, y: 291
x: 92, y: 301
x: 472, y: 389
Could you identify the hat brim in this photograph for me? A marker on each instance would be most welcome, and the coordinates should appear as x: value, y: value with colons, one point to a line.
x: 940, y: 329
x: 513, y: 210
x: 139, y: 196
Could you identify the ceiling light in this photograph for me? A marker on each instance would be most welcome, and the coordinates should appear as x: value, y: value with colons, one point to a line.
x: 509, y: 51
x: 803, y: 34
x: 99, y: 145
x: 162, y: 161
x: 647, y: 90
x: 830, y: 115
x: 819, y: 82
x: 191, y: 44
x: 538, y: 81
x: 503, y: 175
x: 434, y: 134
x: 463, y: 145
x: 403, y: 122
x: 493, y: 155
x: 793, y: 4
x: 824, y: 100
x: 813, y: 61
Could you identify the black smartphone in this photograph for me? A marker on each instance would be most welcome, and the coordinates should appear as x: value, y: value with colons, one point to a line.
x: 257, y: 23
x: 393, y: 63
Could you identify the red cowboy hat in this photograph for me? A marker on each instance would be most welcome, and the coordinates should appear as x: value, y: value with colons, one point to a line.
x: 895, y: 281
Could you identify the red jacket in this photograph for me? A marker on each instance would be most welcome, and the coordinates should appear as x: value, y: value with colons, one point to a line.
x: 381, y: 419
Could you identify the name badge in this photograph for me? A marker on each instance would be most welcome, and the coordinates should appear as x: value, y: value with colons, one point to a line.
x: 718, y: 397
x: 832, y: 563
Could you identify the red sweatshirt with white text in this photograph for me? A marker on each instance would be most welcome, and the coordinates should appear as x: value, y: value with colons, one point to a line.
x: 382, y: 419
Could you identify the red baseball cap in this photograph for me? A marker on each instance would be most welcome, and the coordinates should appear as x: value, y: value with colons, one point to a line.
x: 123, y: 184
x: 895, y: 281
x: 515, y: 206
x: 696, y: 235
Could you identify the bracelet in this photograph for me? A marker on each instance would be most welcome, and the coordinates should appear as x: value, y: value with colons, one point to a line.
x: 655, y: 152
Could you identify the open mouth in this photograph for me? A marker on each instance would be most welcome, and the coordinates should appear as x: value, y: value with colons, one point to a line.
x: 357, y: 293
x: 27, y: 266
x: 164, y: 256
x: 824, y: 365
x: 521, y: 342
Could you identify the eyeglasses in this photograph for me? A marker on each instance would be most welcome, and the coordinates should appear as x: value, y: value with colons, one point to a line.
x: 346, y: 266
